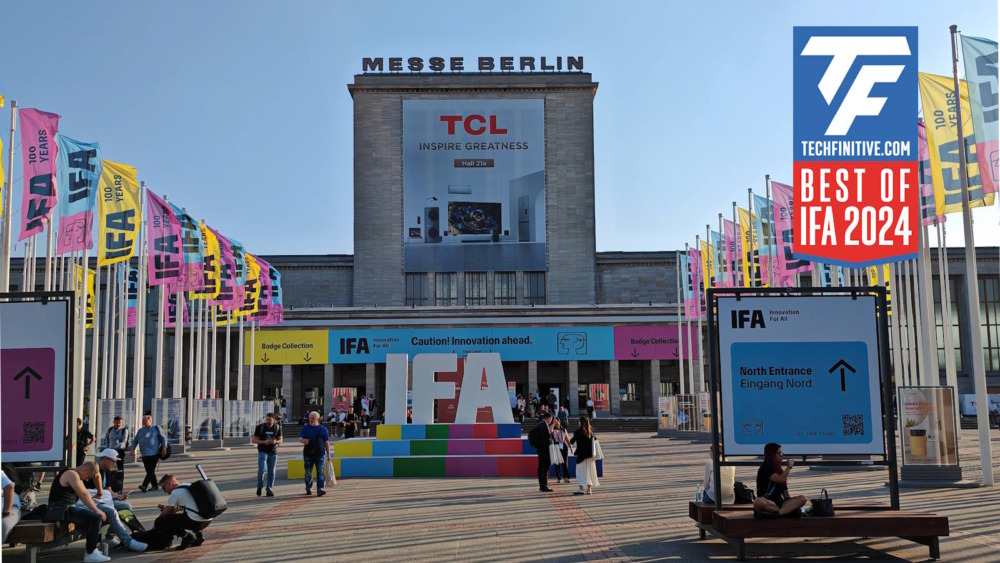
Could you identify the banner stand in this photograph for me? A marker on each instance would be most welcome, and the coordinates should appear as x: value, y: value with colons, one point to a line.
x: 929, y: 439
x: 168, y: 413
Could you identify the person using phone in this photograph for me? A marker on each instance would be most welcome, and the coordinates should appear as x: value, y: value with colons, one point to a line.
x: 267, y: 436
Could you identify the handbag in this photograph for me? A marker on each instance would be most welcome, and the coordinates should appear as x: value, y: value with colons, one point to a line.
x: 55, y: 514
x: 598, y: 452
x: 822, y: 506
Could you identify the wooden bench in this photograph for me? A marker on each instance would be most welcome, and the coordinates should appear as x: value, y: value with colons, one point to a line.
x: 736, y: 526
x: 39, y: 536
x: 701, y: 512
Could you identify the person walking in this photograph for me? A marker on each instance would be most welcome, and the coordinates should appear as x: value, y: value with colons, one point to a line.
x: 117, y: 438
x: 586, y: 466
x: 590, y: 407
x: 315, y: 442
x: 267, y: 436
x: 152, y: 444
x: 561, y: 439
x: 543, y: 433
x: 83, y: 441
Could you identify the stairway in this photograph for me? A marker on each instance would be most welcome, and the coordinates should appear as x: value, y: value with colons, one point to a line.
x: 436, y: 450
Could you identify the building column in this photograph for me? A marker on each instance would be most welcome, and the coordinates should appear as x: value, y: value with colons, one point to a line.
x: 532, y: 381
x: 616, y: 398
x: 327, y: 388
x: 369, y: 379
x: 288, y: 392
x: 654, y: 387
x: 572, y: 393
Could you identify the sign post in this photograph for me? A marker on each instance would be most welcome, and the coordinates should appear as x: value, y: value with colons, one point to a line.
x: 35, y: 382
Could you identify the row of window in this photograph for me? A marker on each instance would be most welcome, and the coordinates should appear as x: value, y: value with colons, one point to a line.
x: 476, y: 289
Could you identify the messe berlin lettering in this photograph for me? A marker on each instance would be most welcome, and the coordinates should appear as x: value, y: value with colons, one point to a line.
x: 483, y: 64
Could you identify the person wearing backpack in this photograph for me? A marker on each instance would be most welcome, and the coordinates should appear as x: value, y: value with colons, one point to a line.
x: 540, y: 437
x: 179, y: 516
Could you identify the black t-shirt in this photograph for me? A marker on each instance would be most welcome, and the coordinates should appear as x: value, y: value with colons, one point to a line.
x: 83, y: 438
x: 765, y: 486
x: 265, y: 432
x: 350, y: 418
x: 365, y: 420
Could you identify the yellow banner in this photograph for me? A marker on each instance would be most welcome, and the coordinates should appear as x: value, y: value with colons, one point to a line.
x: 749, y: 258
x: 874, y: 279
x: 937, y: 93
x: 279, y: 347
x: 707, y: 264
x: 251, y: 289
x: 211, y: 273
x: 91, y: 284
x: 121, y: 215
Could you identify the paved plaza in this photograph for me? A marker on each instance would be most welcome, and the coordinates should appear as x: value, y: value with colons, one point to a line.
x: 638, y: 514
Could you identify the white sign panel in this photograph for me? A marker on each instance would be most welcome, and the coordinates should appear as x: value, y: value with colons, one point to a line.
x: 800, y: 371
x: 33, y: 337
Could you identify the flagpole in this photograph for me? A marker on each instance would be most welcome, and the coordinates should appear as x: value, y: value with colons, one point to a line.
x: 26, y: 267
x: 215, y: 346
x: 193, y: 390
x: 161, y: 297
x: 139, y: 356
x: 196, y: 346
x: 79, y: 356
x: 680, y: 317
x: 944, y: 278
x: 919, y: 317
x: 48, y: 257
x: 179, y: 355
x: 225, y: 373
x: 94, y: 343
x: 123, y: 330
x: 687, y: 317
x: 701, y: 291
x: 203, y: 338
x: 972, y: 286
x: 738, y: 236
x: 5, y: 250
x: 239, y: 360
x: 929, y: 344
x: 253, y: 332
x: 901, y: 322
x: 771, y: 257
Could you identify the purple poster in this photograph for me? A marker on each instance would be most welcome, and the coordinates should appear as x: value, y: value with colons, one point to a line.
x: 27, y: 393
x: 652, y: 343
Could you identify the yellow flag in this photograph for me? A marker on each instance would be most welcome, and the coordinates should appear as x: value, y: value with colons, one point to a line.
x: 121, y: 215
x: 91, y: 283
x: 875, y: 279
x: 937, y: 93
x: 707, y: 264
x: 220, y: 317
x: 251, y: 289
x: 212, y: 254
x: 2, y: 100
x: 751, y: 262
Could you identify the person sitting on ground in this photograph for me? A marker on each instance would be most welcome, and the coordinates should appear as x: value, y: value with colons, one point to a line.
x: 179, y: 516
x: 110, y: 502
x: 728, y: 477
x: 772, y: 486
x: 67, y: 488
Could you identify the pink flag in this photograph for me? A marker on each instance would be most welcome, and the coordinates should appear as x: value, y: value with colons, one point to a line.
x: 695, y: 309
x: 228, y: 300
x: 928, y: 208
x: 170, y: 310
x: 731, y: 235
x: 782, y: 206
x: 38, y: 153
x: 263, y: 314
x: 166, y: 260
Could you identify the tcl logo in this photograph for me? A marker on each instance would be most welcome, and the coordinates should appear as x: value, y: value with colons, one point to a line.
x: 474, y: 124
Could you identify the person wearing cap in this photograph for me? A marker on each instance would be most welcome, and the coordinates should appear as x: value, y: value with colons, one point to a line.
x: 107, y: 460
x: 110, y: 503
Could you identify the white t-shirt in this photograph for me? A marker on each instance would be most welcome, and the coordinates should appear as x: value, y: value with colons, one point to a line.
x: 181, y: 498
x: 590, y: 403
x: 728, y: 475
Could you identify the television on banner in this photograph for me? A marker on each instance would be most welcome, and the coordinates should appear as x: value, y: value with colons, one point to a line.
x: 473, y: 185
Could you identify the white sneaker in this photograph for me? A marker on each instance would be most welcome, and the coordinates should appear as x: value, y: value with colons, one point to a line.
x: 95, y: 557
x: 113, y: 541
x: 137, y: 546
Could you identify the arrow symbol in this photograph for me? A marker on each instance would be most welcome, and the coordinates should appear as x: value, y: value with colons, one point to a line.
x: 676, y: 354
x: 27, y: 380
x: 307, y: 358
x: 842, y: 365
x: 635, y: 353
x: 265, y: 359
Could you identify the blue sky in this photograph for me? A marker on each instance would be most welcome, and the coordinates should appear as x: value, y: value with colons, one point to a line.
x: 239, y: 110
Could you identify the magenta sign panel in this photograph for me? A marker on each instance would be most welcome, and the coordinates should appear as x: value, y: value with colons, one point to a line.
x: 653, y: 343
x: 27, y: 393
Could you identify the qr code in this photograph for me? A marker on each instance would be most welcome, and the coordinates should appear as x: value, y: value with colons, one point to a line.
x: 34, y: 432
x: 854, y: 424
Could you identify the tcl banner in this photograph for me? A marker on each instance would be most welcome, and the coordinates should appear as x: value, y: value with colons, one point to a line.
x: 855, y: 144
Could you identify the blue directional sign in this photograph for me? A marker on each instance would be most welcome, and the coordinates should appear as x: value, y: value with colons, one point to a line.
x: 801, y: 371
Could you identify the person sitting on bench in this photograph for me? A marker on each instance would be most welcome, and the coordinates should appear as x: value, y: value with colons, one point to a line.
x: 772, y: 486
x: 728, y: 477
x: 67, y: 487
x: 180, y: 515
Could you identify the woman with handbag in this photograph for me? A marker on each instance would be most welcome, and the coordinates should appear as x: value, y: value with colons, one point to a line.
x: 586, y: 453
x: 772, y: 487
x: 559, y: 452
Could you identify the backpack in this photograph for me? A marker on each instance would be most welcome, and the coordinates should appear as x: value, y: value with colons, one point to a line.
x: 743, y: 493
x: 130, y: 520
x: 538, y: 438
x: 207, y: 497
